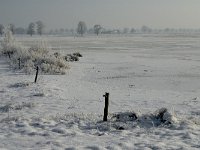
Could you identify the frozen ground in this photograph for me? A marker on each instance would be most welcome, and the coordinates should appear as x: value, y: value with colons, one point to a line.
x: 142, y: 73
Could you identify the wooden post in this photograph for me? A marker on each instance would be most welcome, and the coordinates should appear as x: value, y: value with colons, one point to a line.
x: 106, y: 106
x: 9, y: 55
x: 19, y: 63
x: 37, y: 69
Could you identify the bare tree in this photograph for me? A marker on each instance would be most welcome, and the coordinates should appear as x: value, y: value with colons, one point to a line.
x: 31, y: 29
x: 97, y: 29
x: 82, y: 28
x: 1, y: 29
x: 40, y: 27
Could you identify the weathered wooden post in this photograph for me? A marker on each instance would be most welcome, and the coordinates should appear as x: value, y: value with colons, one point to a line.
x: 106, y: 106
x: 9, y: 55
x: 37, y: 69
x: 19, y: 63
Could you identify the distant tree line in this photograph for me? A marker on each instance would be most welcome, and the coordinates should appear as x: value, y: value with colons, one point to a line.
x: 81, y: 29
x: 33, y: 28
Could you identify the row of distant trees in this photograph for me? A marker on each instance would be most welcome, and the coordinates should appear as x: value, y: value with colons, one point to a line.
x: 39, y: 28
x: 97, y: 29
x: 33, y: 28
x: 81, y: 30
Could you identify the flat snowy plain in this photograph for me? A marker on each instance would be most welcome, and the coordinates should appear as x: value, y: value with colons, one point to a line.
x: 142, y: 73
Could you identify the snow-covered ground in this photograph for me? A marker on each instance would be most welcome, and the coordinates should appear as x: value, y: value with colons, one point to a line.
x: 142, y: 73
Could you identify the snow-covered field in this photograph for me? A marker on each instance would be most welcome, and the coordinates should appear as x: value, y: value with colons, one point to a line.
x: 142, y: 73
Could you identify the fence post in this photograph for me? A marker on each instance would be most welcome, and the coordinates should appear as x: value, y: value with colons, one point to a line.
x: 8, y: 54
x: 36, y: 74
x: 19, y: 63
x: 106, y: 106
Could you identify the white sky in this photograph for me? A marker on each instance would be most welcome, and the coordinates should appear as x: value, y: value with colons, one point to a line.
x: 108, y: 13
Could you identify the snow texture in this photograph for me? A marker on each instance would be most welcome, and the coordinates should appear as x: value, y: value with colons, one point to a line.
x: 153, y: 81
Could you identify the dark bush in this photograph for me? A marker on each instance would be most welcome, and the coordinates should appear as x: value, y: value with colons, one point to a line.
x: 71, y: 57
x: 77, y: 54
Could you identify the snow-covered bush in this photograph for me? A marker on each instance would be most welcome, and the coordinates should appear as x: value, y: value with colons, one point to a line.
x: 77, y: 54
x: 9, y: 45
x: 52, y: 65
x: 56, y: 54
x: 70, y: 57
x: 27, y: 59
x: 73, y: 57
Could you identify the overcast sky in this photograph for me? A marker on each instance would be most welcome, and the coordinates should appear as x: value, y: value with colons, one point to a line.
x: 108, y: 13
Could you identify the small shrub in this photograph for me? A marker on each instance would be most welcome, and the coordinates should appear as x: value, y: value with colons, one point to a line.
x: 56, y: 54
x: 9, y: 45
x: 159, y: 114
x: 77, y: 54
x: 71, y: 57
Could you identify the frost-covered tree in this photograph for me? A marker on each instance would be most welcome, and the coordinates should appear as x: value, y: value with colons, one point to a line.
x: 61, y: 31
x: 31, y: 29
x: 40, y: 27
x: 1, y: 29
x: 56, y: 31
x: 145, y: 29
x: 133, y: 30
x: 82, y: 28
x: 66, y: 30
x: 72, y: 31
x: 125, y: 30
x: 8, y: 44
x: 12, y: 28
x: 97, y: 29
